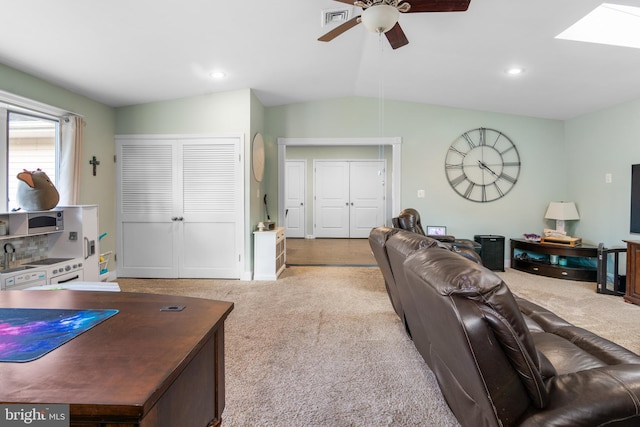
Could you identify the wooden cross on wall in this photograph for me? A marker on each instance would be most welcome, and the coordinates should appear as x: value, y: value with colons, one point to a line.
x: 94, y: 162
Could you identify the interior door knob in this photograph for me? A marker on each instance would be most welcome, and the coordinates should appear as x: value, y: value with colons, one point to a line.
x: 174, y: 218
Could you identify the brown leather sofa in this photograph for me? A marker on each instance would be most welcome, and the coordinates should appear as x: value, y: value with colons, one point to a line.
x: 501, y: 360
x: 400, y: 300
x: 409, y: 219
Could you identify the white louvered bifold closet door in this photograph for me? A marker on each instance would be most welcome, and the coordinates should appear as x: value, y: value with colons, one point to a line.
x: 180, y: 207
x: 210, y: 204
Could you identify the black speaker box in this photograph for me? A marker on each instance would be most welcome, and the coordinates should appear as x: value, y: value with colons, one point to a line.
x: 492, y: 252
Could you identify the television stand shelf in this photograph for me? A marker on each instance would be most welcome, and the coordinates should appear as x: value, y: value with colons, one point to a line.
x: 569, y: 262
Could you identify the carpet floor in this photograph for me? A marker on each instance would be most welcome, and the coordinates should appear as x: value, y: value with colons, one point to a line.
x: 322, y: 345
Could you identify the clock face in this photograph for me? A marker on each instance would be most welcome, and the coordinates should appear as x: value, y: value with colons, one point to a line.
x: 482, y: 165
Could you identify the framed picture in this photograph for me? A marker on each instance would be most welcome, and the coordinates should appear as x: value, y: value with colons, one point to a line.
x: 436, y: 230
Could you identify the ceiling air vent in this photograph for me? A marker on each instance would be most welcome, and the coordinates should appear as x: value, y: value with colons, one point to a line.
x: 335, y: 16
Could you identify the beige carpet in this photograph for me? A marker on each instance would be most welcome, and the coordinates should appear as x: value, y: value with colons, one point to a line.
x: 322, y: 346
x: 332, y: 252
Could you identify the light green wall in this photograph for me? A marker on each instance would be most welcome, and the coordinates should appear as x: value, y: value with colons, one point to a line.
x: 604, y: 142
x: 426, y: 132
x: 254, y: 196
x: 98, y: 141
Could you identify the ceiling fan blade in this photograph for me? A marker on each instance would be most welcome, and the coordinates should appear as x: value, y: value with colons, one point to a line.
x: 340, y: 29
x: 438, y: 5
x: 346, y: 1
x: 396, y: 37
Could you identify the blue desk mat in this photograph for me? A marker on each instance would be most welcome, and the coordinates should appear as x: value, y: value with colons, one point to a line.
x: 27, y: 334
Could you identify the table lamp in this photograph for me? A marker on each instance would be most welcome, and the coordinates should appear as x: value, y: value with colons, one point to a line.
x: 561, y: 212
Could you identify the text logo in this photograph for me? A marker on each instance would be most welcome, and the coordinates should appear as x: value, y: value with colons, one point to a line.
x: 13, y: 415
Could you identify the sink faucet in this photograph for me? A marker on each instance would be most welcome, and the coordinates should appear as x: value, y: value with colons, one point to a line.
x: 8, y: 256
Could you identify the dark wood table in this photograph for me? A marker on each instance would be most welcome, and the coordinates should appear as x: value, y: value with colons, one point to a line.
x: 540, y: 264
x: 142, y: 367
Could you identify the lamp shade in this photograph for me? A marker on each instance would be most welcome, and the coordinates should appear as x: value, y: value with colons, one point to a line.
x: 562, y: 211
x: 380, y: 18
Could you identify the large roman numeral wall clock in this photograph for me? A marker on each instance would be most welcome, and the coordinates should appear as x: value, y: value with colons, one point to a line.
x: 482, y: 165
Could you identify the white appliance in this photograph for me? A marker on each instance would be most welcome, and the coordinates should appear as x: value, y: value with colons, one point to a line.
x: 24, y: 278
x: 60, y: 270
x: 45, y: 221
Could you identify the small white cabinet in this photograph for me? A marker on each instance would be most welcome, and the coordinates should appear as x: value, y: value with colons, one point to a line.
x: 269, y: 249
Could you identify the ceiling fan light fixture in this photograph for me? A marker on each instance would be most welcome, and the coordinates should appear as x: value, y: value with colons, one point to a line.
x: 217, y: 75
x: 380, y: 18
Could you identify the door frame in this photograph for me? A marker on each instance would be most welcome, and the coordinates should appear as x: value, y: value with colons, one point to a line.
x: 396, y: 163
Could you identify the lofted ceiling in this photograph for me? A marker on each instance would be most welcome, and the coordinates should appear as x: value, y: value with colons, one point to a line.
x: 123, y: 52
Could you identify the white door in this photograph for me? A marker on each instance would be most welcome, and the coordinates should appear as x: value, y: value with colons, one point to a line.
x: 349, y: 198
x: 294, y: 198
x: 179, y: 207
x: 331, y: 199
x: 366, y: 197
x: 210, y: 202
x: 146, y: 230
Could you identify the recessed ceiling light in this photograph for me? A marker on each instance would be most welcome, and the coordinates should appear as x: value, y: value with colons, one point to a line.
x: 217, y: 75
x: 611, y: 24
x: 515, y: 71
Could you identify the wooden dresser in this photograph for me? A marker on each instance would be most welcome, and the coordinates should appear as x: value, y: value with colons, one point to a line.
x: 633, y: 272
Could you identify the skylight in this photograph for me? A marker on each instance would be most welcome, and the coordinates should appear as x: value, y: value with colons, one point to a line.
x: 611, y: 24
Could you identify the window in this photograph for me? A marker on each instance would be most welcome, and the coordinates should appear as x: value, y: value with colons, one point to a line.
x: 33, y: 143
x: 34, y: 136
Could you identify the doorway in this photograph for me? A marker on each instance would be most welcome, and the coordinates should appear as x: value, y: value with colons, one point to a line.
x: 394, y: 170
x: 388, y: 148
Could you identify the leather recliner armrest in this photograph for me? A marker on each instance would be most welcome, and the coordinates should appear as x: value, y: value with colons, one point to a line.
x: 442, y: 238
x: 594, y: 397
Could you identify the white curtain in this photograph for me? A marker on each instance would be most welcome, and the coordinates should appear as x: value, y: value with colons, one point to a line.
x: 71, y: 142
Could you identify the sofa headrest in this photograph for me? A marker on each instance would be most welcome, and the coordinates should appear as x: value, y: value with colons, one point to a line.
x: 409, y: 219
x: 406, y: 242
x: 451, y: 275
x: 379, y: 235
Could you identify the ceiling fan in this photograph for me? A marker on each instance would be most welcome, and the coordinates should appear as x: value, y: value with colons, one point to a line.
x: 381, y: 16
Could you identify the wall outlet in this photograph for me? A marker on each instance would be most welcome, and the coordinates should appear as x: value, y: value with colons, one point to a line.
x: 608, y: 178
x: 73, y: 235
x: 421, y: 194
